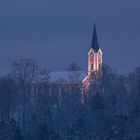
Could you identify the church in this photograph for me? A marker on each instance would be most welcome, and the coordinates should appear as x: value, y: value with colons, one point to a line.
x: 59, y: 84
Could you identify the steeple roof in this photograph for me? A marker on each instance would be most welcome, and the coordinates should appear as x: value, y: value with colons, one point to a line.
x: 95, y: 45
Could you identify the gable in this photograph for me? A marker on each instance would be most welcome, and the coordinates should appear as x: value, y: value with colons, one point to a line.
x: 92, y: 51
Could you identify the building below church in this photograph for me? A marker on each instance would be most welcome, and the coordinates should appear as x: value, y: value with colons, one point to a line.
x: 62, y: 83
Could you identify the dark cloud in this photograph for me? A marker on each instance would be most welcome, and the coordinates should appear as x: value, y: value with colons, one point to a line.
x: 57, y: 32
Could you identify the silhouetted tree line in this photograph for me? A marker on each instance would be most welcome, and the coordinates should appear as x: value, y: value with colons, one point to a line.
x: 112, y: 113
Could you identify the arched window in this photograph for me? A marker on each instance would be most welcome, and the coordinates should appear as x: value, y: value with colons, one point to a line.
x: 62, y: 91
x: 91, y: 66
x: 53, y: 90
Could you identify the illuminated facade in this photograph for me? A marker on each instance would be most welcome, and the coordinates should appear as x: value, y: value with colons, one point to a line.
x: 94, y: 64
x: 64, y: 83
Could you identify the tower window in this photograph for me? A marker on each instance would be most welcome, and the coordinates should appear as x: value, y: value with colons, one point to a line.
x: 91, y: 66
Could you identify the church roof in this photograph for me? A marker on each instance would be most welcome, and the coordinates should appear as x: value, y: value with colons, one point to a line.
x: 95, y: 45
x: 62, y: 76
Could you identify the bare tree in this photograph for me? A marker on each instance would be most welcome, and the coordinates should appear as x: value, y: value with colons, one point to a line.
x: 24, y: 71
x: 73, y: 67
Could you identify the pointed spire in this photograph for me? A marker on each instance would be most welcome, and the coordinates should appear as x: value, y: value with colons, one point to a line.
x: 95, y: 45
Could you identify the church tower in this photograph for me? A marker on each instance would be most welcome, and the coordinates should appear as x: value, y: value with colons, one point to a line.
x: 94, y: 57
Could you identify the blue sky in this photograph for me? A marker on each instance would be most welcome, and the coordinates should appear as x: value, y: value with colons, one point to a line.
x: 58, y: 32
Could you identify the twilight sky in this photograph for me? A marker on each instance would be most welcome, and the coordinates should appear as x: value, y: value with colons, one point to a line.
x: 58, y: 32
